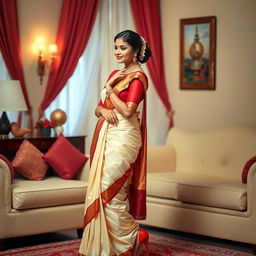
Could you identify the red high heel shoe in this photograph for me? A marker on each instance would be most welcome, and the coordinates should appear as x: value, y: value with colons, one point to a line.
x: 143, y: 239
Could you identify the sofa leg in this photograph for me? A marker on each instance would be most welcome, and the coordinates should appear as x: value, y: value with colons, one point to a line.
x: 2, y: 244
x: 79, y: 232
x: 254, y: 249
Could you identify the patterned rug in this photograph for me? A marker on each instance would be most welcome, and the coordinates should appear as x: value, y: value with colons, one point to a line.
x: 158, y: 246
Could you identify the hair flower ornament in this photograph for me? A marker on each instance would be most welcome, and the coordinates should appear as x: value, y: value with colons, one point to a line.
x: 143, y: 49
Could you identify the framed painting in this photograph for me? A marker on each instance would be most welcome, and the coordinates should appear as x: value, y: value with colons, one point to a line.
x: 197, y: 53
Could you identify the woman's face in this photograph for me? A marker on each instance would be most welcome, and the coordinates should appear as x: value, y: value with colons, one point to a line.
x: 123, y: 51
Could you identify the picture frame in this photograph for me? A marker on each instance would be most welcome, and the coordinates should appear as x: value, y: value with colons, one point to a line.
x: 198, y: 53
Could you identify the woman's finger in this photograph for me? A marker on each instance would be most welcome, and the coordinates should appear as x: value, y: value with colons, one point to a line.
x: 115, y: 118
x: 108, y: 117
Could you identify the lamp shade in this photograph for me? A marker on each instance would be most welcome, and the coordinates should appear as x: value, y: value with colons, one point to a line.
x: 11, y: 96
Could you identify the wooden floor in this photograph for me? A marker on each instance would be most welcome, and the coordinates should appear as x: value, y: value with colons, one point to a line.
x: 72, y: 234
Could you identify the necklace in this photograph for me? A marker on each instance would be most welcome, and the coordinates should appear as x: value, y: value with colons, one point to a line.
x: 128, y: 72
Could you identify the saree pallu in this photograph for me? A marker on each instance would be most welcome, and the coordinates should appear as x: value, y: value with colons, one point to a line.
x: 109, y: 228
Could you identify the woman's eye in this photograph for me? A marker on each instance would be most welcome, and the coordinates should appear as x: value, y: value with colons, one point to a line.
x: 123, y: 48
x: 115, y: 47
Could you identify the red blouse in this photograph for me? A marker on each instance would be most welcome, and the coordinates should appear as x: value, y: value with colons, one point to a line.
x: 134, y: 93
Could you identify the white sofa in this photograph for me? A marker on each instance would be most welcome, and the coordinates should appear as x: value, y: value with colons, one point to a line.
x: 33, y: 207
x: 194, y: 183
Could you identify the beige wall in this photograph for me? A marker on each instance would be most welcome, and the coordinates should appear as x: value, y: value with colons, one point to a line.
x: 37, y: 18
x: 234, y: 100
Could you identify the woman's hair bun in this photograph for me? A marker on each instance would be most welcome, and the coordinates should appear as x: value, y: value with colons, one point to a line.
x: 146, y: 55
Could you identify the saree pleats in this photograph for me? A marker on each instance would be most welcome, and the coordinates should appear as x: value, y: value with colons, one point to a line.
x: 109, y: 228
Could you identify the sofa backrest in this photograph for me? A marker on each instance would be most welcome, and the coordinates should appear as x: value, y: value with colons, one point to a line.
x: 222, y: 152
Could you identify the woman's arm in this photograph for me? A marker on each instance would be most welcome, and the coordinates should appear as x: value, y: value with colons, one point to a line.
x: 121, y: 106
x: 135, y: 95
x: 108, y: 114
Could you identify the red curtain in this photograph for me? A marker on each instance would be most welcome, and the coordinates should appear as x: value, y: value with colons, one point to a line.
x: 147, y: 21
x: 10, y: 45
x: 75, y: 26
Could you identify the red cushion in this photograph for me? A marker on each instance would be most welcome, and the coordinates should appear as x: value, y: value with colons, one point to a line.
x: 9, y: 165
x: 28, y: 162
x: 64, y: 158
x: 247, y: 167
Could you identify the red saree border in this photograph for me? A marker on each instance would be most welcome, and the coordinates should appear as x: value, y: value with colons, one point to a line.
x: 91, y: 212
x: 129, y: 252
x: 137, y: 189
x: 95, y: 138
x: 107, y: 195
x: 125, y: 83
x: 137, y: 200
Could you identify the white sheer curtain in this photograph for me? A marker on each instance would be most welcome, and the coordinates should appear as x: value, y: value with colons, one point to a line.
x: 82, y: 92
x: 79, y: 96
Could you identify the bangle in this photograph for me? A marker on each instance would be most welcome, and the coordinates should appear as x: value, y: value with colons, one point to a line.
x: 109, y: 92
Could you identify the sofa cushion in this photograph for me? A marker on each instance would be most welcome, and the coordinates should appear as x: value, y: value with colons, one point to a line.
x: 29, y: 163
x: 198, y: 189
x: 64, y: 158
x: 51, y: 191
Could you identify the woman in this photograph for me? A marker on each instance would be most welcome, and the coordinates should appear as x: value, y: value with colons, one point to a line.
x: 118, y: 158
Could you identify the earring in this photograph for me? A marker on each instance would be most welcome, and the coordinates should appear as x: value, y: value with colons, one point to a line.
x: 134, y: 59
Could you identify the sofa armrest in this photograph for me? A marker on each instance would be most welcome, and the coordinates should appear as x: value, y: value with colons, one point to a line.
x: 247, y: 168
x: 5, y: 187
x: 161, y: 159
x: 251, y: 189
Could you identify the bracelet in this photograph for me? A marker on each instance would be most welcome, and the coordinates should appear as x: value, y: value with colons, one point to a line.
x: 109, y: 92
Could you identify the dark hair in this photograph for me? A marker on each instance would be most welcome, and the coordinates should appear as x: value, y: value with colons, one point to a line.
x: 136, y: 42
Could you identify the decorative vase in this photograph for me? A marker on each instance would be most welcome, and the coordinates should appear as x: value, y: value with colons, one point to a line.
x: 58, y: 130
x: 45, y: 131
x: 5, y: 126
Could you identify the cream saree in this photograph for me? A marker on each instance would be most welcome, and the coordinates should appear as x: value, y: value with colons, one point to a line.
x: 109, y: 228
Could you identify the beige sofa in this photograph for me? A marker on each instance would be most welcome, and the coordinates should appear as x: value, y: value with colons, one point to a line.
x: 194, y: 183
x: 33, y: 207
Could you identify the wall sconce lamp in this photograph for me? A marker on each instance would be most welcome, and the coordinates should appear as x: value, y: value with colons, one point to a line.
x: 39, y: 48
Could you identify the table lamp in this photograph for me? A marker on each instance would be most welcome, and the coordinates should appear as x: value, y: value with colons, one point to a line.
x: 11, y: 99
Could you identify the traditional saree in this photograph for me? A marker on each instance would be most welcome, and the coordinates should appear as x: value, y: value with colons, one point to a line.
x: 116, y: 193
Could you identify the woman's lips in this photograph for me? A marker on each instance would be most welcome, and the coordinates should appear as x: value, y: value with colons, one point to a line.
x: 119, y: 57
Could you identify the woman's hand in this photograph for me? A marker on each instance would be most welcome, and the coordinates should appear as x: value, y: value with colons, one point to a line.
x: 115, y: 78
x: 109, y: 116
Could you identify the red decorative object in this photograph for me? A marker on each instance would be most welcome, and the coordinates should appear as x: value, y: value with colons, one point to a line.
x: 64, y: 158
x: 29, y: 163
x: 44, y: 123
x: 148, y: 25
x: 246, y: 168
